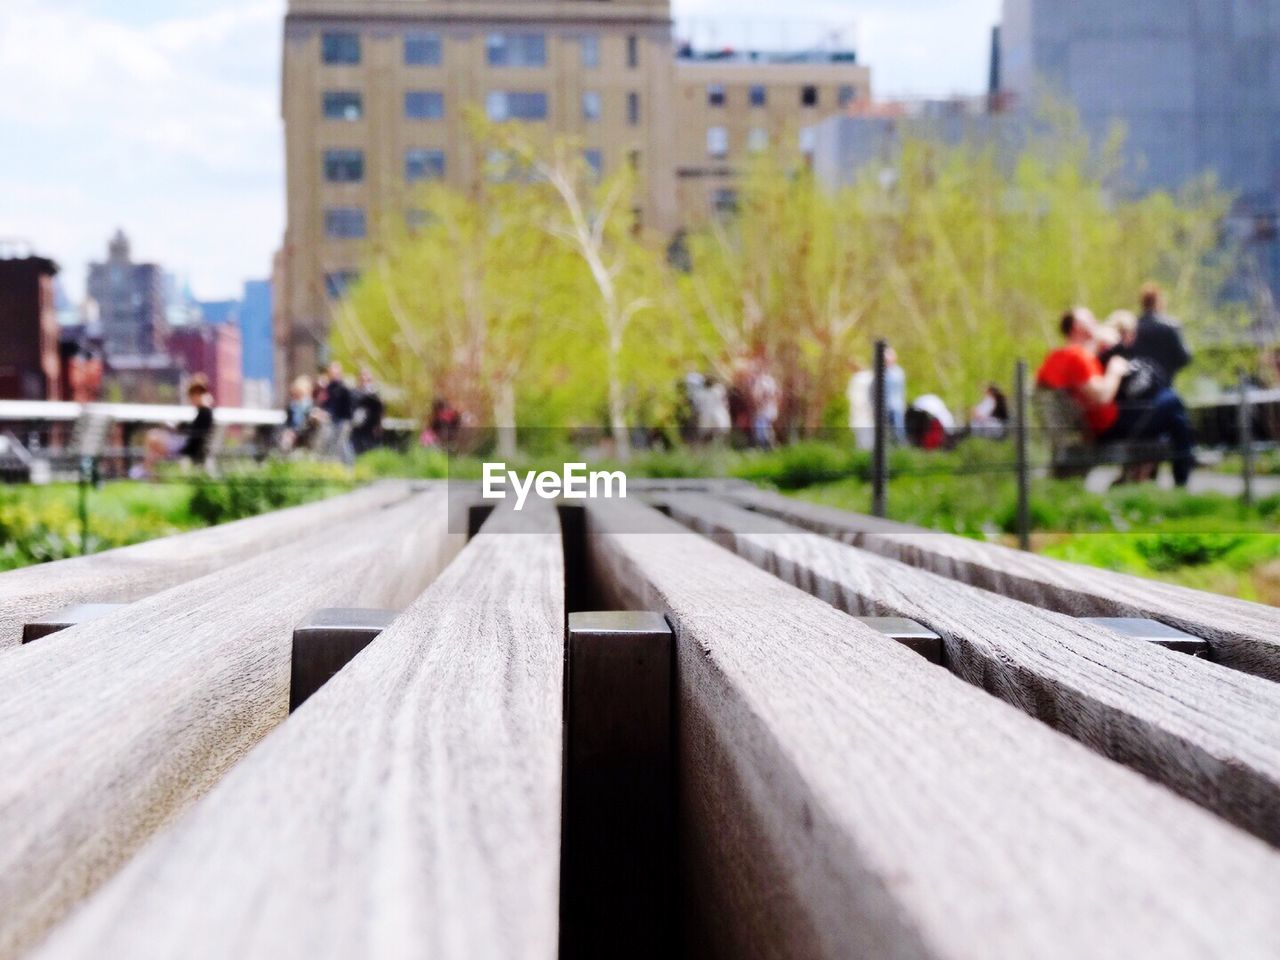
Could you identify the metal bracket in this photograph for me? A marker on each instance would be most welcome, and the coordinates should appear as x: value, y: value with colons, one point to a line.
x: 912, y: 635
x: 67, y: 617
x: 1153, y: 631
x: 325, y: 642
x: 617, y: 847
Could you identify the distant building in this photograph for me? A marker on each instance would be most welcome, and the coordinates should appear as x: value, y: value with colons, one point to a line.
x: 375, y: 97
x: 257, y: 345
x: 731, y: 104
x: 29, y: 362
x: 213, y: 350
x: 871, y: 137
x: 131, y: 298
x: 1195, y: 83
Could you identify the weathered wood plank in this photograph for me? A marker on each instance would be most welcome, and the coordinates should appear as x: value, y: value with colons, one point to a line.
x: 131, y: 573
x: 1241, y: 635
x: 410, y: 808
x: 110, y: 728
x: 1210, y: 733
x: 840, y: 797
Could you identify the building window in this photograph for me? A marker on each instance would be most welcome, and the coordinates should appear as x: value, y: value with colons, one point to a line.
x: 715, y: 95
x: 633, y: 108
x: 337, y: 284
x: 503, y: 105
x: 344, y: 223
x: 809, y: 96
x: 517, y: 50
x: 724, y: 201
x: 595, y: 163
x: 344, y: 166
x: 717, y: 142
x: 592, y: 106
x: 343, y: 105
x: 423, y: 165
x: 424, y: 105
x: 422, y: 49
x: 340, y: 49
x: 758, y: 140
x: 633, y: 51
x: 759, y: 96
x: 590, y: 52
x: 848, y: 94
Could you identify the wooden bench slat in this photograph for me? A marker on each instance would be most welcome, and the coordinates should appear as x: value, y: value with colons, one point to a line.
x: 1241, y: 634
x: 110, y: 728
x: 411, y: 807
x: 131, y: 573
x: 841, y: 797
x: 1210, y: 733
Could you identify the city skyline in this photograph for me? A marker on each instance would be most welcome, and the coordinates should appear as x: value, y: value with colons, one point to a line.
x: 173, y: 107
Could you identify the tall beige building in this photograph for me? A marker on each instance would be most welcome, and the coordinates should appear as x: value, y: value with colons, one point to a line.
x: 731, y: 104
x: 374, y: 98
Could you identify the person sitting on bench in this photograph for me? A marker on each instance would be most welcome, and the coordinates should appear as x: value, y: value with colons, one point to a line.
x: 1076, y: 369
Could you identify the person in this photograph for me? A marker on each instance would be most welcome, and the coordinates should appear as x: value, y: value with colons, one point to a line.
x: 1157, y: 338
x: 199, y: 431
x: 1077, y: 369
x: 930, y: 424
x: 366, y: 430
x: 895, y: 394
x: 299, y: 424
x: 990, y: 418
x: 765, y: 396
x: 339, y: 406
x: 862, y: 414
x: 711, y: 411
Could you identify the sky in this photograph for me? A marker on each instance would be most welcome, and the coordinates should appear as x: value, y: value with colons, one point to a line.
x: 162, y: 116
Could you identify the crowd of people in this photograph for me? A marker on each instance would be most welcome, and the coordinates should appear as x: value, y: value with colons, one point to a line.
x: 748, y: 406
x: 331, y: 418
x: 1121, y: 375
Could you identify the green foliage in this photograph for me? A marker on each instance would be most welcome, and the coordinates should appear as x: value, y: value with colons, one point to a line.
x: 248, y: 493
x: 42, y: 524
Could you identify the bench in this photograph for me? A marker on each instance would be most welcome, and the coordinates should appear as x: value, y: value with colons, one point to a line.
x: 738, y: 767
x: 1241, y: 635
x: 1208, y: 733
x: 1072, y: 450
x: 131, y: 573
x: 110, y: 729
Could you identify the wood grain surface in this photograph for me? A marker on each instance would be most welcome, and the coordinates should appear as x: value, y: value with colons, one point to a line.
x: 111, y: 728
x: 1208, y: 732
x: 840, y: 797
x: 131, y: 573
x: 1241, y: 635
x: 411, y: 808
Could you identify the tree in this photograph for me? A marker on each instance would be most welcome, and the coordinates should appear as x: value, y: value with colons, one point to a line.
x: 597, y: 223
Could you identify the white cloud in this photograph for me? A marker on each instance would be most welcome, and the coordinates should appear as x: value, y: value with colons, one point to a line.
x: 170, y: 130
x: 127, y: 113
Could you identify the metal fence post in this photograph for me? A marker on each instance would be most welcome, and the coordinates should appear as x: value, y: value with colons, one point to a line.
x: 879, y: 401
x: 1245, y: 411
x: 1024, y: 467
x: 86, y: 480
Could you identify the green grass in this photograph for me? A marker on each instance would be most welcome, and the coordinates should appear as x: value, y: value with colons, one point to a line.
x: 39, y: 524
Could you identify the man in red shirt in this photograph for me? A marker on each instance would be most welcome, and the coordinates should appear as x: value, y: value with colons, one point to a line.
x: 1075, y: 368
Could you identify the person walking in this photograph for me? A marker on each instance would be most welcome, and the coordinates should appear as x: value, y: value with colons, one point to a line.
x: 366, y: 430
x: 199, y: 432
x: 765, y: 397
x: 339, y: 405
